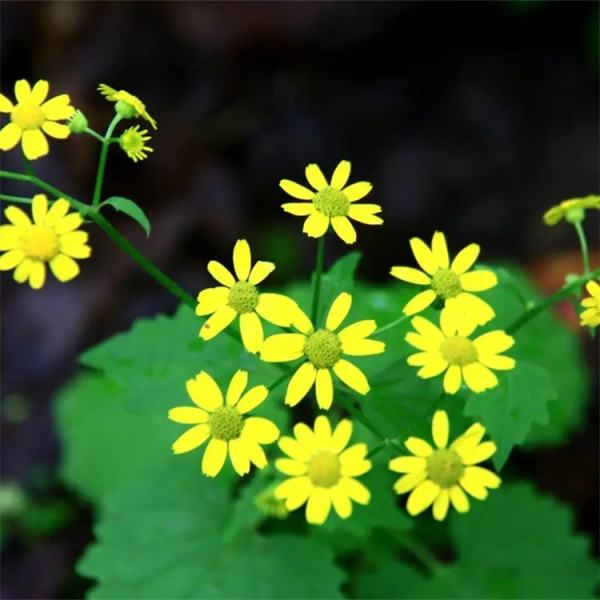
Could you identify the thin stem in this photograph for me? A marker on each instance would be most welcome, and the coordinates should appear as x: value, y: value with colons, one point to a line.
x: 102, y: 161
x: 94, y: 134
x: 279, y: 381
x: 540, y: 307
x: 585, y: 253
x: 314, y: 313
x: 390, y: 325
x: 19, y: 199
x: 420, y: 552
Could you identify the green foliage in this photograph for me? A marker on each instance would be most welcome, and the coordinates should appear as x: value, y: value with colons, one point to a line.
x: 131, y: 209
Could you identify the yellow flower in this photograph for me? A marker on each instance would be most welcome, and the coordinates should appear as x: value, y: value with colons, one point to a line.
x: 451, y: 283
x: 449, y: 349
x: 321, y: 471
x: 133, y: 143
x: 242, y: 297
x: 225, y: 423
x: 322, y: 351
x: 31, y: 117
x: 442, y: 475
x: 331, y: 203
x: 590, y: 317
x: 52, y: 238
x: 572, y: 210
x: 131, y: 105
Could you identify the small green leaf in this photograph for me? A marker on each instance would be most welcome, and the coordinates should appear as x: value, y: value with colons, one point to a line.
x: 131, y: 209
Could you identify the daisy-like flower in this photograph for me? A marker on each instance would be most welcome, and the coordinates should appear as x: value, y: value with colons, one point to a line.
x: 331, y: 203
x: 127, y: 105
x: 322, y: 470
x: 52, y: 238
x: 322, y: 351
x: 572, y: 210
x: 443, y: 474
x: 449, y: 349
x: 32, y: 117
x: 450, y: 282
x: 133, y: 143
x: 590, y: 317
x: 225, y: 423
x: 242, y: 297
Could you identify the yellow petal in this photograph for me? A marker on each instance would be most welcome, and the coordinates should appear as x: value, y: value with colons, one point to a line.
x: 355, y: 490
x: 324, y: 389
x: 22, y: 270
x: 39, y: 92
x: 277, y: 309
x: 58, y: 108
x: 339, y: 311
x: 260, y: 271
x: 34, y: 144
x: 465, y: 259
x: 17, y: 217
x: 341, y: 503
x: 409, y: 482
x: 356, y: 453
x: 290, y: 467
x: 191, y: 439
x: 296, y: 190
x: 435, y: 365
x: 57, y: 211
x: 10, y: 135
x: 493, y: 342
x: 452, y: 379
x: 341, y: 436
x: 221, y: 273
x: 64, y: 267
x: 357, y: 331
x: 341, y: 174
x: 10, y: 237
x: 37, y: 274
x: 214, y: 457
x: 420, y: 302
x: 242, y: 259
x: 411, y: 275
x: 429, y: 346
x: 74, y: 244
x: 478, y: 281
x: 283, y: 347
x: 408, y: 464
x: 315, y: 177
x: 418, y: 447
x: 39, y: 208
x: 357, y: 191
x: 440, y: 506
x: 355, y: 468
x: 256, y: 455
x: 204, y: 391
x: 316, y: 225
x: 261, y: 430
x: 483, y: 476
x: 479, y: 378
x: 424, y: 256
x: 352, y: 376
x: 56, y: 130
x: 295, y: 491
x: 211, y: 299
x: 427, y: 329
x: 9, y: 260
x: 252, y: 332
x: 236, y: 387
x: 365, y: 213
x: 496, y: 361
x: 188, y: 415
x: 439, y: 250
x: 450, y: 322
x: 6, y: 106
x: 22, y: 90
x: 305, y: 436
x: 593, y: 289
x: 459, y: 499
x: 300, y: 383
x: 299, y: 209
x: 68, y: 223
x: 471, y: 311
x: 318, y: 506
x: 238, y: 454
x: 322, y: 432
x: 252, y: 398
x: 217, y: 322
x: 422, y: 497
x: 440, y: 428
x: 362, y: 347
x: 294, y: 449
x: 344, y: 228
x: 480, y: 453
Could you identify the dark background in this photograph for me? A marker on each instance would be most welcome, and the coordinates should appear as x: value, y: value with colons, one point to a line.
x: 467, y: 117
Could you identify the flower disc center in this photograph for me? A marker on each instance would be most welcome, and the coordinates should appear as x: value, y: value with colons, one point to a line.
x: 243, y: 297
x: 323, y: 349
x: 226, y: 423
x: 40, y: 242
x: 446, y: 283
x: 458, y: 350
x: 324, y: 469
x: 27, y: 116
x: 331, y: 202
x: 445, y: 467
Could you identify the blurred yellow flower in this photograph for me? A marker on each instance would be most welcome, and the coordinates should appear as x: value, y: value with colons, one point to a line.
x: 449, y: 282
x: 572, y: 210
x: 441, y: 475
x: 590, y: 317
x: 33, y: 116
x: 449, y: 349
x: 322, y: 471
x: 242, y: 297
x: 225, y: 423
x: 132, y: 105
x: 322, y: 351
x: 51, y: 238
x: 331, y: 203
x: 133, y: 143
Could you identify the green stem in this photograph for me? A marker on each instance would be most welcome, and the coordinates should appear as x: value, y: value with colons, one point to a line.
x: 540, y: 307
x: 102, y: 161
x: 390, y: 325
x: 585, y: 253
x: 18, y: 199
x: 420, y: 552
x: 314, y: 313
x: 94, y: 134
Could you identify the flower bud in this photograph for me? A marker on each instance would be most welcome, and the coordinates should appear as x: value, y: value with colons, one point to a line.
x: 126, y: 110
x: 78, y: 122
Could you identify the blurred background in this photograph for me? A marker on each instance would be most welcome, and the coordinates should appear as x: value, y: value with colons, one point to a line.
x: 468, y: 117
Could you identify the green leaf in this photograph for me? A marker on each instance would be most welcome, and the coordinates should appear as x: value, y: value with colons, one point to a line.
x: 131, y: 209
x: 163, y: 538
x: 515, y: 544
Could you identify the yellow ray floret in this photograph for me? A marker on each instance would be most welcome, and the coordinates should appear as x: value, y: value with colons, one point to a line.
x: 322, y: 470
x: 51, y: 238
x: 440, y: 476
x: 451, y: 282
x: 331, y: 203
x: 242, y: 297
x: 32, y: 117
x: 572, y: 210
x: 322, y: 351
x: 225, y: 423
x: 133, y: 143
x: 135, y: 107
x: 450, y: 350
x: 590, y: 316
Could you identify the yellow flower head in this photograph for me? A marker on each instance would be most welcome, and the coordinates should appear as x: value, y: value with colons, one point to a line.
x: 322, y: 471
x: 450, y: 282
x: 331, y: 203
x: 590, y: 317
x: 442, y: 475
x: 449, y: 349
x: 225, y: 423
x: 32, y: 116
x: 51, y: 238
x: 571, y: 210
x: 322, y: 351
x: 242, y: 297
x: 133, y: 143
x: 130, y: 105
